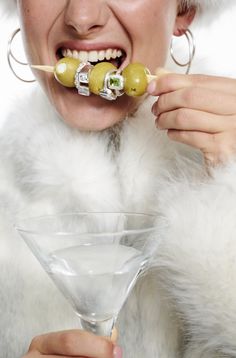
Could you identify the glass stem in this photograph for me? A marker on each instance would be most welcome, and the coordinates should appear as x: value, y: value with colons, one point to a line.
x: 102, y: 328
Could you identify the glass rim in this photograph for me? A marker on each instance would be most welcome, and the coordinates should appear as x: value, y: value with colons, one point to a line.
x: 20, y: 228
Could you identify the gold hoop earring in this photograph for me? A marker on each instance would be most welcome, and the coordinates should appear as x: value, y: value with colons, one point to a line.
x: 191, y: 50
x: 10, y: 57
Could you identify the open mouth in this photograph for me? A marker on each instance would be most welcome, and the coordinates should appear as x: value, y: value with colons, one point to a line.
x: 115, y: 56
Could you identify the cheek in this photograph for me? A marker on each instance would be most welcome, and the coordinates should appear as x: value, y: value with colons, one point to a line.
x: 155, y: 38
x: 37, y: 18
x: 150, y: 30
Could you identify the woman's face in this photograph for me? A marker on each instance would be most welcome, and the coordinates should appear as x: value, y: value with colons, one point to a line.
x: 140, y: 28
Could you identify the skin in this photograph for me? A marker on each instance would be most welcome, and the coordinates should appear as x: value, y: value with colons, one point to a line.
x: 196, y: 110
x: 73, y: 343
x: 199, y: 111
x: 45, y: 25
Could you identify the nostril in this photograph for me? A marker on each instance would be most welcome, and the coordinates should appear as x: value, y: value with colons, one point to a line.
x: 95, y: 27
x: 83, y: 30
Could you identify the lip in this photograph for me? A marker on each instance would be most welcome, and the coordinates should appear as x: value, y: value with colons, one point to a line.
x: 92, y: 99
x: 85, y: 46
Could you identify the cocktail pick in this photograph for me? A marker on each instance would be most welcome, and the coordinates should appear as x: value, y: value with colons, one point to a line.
x: 102, y: 79
x: 44, y: 68
x: 159, y: 71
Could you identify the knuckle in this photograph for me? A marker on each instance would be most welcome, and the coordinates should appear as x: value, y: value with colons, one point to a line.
x: 223, y: 150
x: 167, y: 82
x: 183, y: 135
x: 214, y: 140
x: 232, y: 144
x: 172, y: 134
x: 68, y: 341
x: 161, y: 103
x: 189, y: 96
x: 161, y: 120
x: 199, y: 79
x: 216, y: 146
x: 181, y: 118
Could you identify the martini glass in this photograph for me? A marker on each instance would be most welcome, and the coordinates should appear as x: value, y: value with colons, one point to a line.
x: 93, y: 258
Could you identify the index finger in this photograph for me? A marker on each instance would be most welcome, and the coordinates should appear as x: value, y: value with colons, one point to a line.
x: 169, y: 82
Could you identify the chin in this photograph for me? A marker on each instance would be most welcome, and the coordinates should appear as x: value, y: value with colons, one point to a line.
x: 91, y: 113
x: 91, y: 119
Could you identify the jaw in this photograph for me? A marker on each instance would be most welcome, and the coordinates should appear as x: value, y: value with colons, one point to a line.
x: 91, y: 113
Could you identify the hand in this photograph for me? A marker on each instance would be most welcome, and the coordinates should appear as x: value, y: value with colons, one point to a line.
x: 74, y: 343
x: 200, y: 111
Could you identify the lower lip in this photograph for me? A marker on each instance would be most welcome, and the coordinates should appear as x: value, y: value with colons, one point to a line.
x: 91, y: 97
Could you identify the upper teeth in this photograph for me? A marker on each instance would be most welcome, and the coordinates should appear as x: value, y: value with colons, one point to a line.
x: 92, y: 56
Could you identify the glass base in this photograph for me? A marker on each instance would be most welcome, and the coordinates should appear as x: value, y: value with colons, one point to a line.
x: 103, y: 328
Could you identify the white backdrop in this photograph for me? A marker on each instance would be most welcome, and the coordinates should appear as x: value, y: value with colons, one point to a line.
x: 216, y: 54
x: 11, y: 87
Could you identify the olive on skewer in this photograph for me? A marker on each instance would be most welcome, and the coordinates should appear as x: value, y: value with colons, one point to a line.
x: 97, y: 76
x: 102, y: 79
x: 65, y: 71
x: 135, y: 79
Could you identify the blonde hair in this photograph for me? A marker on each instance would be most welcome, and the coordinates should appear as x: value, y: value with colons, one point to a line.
x: 204, y: 4
x: 184, y: 5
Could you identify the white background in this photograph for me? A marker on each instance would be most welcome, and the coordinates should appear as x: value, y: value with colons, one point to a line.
x: 216, y: 54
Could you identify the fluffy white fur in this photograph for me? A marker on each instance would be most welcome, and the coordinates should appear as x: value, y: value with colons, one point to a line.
x: 186, y: 305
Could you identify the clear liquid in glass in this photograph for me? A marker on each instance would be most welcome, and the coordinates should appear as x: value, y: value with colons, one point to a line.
x: 96, y: 279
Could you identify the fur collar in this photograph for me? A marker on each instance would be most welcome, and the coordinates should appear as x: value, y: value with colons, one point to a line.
x: 60, y: 168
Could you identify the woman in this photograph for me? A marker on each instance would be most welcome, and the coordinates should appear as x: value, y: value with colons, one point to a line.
x: 78, y: 153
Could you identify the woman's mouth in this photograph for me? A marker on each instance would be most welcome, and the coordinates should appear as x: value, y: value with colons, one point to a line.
x: 115, y: 56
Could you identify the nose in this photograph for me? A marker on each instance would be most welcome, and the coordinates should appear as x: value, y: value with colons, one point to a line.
x: 86, y: 16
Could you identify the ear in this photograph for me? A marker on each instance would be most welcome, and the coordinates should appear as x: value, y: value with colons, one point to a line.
x: 183, y: 20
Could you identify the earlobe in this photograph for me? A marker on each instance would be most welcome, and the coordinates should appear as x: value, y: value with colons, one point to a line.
x: 183, y: 21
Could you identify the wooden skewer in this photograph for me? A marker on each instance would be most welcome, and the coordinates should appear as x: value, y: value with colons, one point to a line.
x: 44, y: 68
x: 151, y: 77
x: 159, y: 71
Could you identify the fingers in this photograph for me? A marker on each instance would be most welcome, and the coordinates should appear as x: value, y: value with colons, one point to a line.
x: 169, y: 82
x: 199, y: 140
x: 205, y: 93
x: 199, y: 111
x: 74, y: 343
x: 216, y: 148
x: 194, y: 120
x: 206, y: 100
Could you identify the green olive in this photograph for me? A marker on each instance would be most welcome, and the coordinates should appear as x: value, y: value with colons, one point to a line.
x: 97, y: 76
x: 135, y: 77
x: 65, y: 71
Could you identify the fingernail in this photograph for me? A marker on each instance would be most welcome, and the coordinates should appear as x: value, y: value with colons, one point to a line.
x: 117, y: 352
x: 154, y: 109
x: 151, y: 87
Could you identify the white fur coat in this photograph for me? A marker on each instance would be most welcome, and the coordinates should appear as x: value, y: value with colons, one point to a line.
x: 186, y: 305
